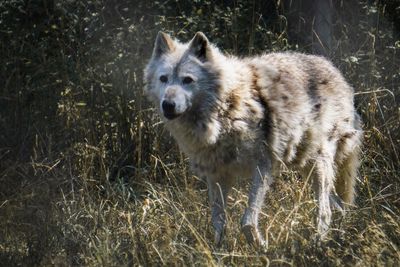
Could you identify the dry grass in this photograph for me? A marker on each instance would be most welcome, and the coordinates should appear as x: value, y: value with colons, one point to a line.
x: 168, y: 223
x: 89, y: 177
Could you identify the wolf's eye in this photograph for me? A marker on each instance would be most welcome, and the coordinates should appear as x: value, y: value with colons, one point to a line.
x: 163, y: 78
x: 187, y: 80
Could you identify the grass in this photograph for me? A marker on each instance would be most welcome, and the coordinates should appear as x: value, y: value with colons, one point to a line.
x: 152, y: 223
x: 88, y: 175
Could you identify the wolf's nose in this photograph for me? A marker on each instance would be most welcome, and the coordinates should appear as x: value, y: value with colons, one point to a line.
x: 168, y: 106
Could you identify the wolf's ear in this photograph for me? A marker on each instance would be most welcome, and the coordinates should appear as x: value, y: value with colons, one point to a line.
x: 200, y: 47
x: 163, y: 44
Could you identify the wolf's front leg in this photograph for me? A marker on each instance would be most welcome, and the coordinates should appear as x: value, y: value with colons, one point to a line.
x: 217, y: 192
x: 261, y: 180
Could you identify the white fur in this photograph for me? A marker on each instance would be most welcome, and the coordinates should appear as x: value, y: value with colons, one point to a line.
x: 245, y: 117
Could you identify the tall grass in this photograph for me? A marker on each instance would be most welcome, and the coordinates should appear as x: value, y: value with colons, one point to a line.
x: 90, y: 177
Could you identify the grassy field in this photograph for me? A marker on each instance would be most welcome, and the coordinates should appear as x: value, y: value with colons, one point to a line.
x: 88, y: 175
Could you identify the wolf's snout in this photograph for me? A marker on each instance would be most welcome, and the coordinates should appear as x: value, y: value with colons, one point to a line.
x: 168, y: 108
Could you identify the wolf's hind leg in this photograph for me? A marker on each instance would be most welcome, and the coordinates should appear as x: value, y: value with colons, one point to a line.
x: 323, y: 187
x: 217, y: 193
x: 259, y: 187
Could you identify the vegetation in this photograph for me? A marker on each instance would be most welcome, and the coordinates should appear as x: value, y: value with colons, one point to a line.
x: 88, y: 175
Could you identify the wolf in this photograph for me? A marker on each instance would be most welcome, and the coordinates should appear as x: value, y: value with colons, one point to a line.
x: 247, y: 117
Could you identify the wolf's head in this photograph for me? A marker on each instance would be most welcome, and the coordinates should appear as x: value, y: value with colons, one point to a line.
x: 180, y: 76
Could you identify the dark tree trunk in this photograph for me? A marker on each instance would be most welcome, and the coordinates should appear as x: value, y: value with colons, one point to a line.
x: 310, y: 24
x: 322, y: 27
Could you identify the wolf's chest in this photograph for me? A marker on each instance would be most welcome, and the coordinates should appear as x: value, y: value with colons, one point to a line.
x: 225, y: 158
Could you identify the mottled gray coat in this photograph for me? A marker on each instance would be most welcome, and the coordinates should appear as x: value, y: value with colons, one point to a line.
x: 246, y: 117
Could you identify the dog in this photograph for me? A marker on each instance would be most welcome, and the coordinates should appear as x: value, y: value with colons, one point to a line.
x: 246, y: 117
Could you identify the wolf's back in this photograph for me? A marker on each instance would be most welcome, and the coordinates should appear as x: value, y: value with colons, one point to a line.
x: 307, y: 99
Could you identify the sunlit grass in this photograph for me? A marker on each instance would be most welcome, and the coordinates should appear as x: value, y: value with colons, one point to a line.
x: 90, y: 177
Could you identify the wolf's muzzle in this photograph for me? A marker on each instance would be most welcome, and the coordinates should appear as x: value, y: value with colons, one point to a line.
x: 168, y: 108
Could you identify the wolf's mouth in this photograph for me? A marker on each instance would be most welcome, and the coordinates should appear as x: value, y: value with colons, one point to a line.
x: 171, y: 116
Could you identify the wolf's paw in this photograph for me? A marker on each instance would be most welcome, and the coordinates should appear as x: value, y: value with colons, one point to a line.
x: 218, y: 236
x: 337, y: 204
x: 253, y: 236
x: 323, y: 229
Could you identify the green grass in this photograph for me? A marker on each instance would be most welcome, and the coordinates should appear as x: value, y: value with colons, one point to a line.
x: 88, y: 175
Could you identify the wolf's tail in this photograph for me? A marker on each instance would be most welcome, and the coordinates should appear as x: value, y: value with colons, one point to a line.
x: 348, y: 156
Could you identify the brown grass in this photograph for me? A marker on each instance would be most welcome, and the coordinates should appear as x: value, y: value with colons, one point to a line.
x: 90, y: 177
